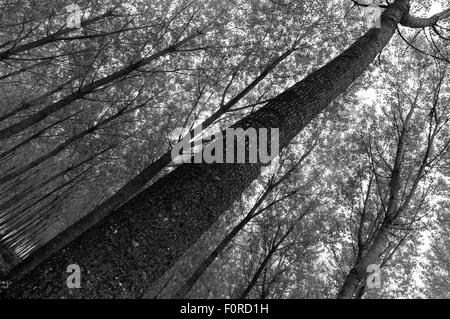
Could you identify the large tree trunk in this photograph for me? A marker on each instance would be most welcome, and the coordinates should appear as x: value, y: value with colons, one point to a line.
x: 126, y: 251
x: 135, y: 184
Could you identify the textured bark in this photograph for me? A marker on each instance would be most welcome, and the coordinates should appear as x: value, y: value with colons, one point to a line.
x: 253, y: 213
x: 187, y: 286
x: 134, y: 185
x: 126, y: 251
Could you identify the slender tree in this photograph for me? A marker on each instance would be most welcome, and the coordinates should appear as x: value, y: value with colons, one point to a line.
x: 134, y: 245
x: 396, y: 212
x: 275, y: 244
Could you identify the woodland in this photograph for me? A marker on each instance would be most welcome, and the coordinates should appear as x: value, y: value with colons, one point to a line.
x: 89, y: 116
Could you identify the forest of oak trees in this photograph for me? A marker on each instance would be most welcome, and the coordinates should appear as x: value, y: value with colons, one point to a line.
x: 87, y: 122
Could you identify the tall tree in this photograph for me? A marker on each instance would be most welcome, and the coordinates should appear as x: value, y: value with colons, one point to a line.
x: 130, y: 248
x: 389, y: 211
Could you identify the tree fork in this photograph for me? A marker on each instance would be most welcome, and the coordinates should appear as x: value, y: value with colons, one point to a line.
x: 128, y: 250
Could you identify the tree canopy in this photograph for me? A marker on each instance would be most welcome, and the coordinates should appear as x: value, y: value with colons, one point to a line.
x: 89, y: 116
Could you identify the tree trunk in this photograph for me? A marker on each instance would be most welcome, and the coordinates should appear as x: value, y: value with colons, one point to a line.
x: 126, y: 251
x: 358, y: 272
x: 187, y: 286
x: 139, y: 181
x: 255, y: 277
x: 394, y: 207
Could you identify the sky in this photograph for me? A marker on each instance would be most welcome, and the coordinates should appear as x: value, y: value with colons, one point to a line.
x: 436, y: 7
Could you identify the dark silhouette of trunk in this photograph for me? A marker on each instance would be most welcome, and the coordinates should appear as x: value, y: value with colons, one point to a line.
x: 126, y: 251
x: 258, y: 273
x: 254, y: 212
x: 273, y: 248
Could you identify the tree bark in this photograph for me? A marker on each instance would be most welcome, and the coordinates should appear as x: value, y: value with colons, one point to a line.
x: 139, y: 181
x: 126, y: 251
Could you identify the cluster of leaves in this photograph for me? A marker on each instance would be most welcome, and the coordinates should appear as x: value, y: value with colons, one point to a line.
x: 84, y: 111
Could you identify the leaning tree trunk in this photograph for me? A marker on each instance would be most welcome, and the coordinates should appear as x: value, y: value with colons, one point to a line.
x: 256, y: 276
x: 350, y: 286
x: 128, y: 250
x: 136, y: 183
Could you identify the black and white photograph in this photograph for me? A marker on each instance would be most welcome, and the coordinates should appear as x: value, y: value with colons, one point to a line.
x: 216, y: 156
